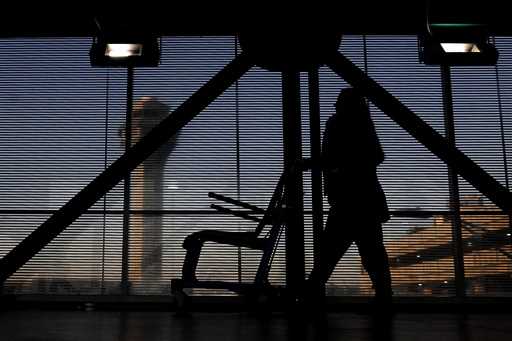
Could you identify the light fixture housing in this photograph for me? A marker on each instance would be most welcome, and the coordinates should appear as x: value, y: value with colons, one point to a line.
x: 457, y: 45
x: 116, y: 51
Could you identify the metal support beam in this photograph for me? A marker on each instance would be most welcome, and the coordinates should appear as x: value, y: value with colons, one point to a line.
x: 118, y: 170
x: 503, y: 142
x: 292, y: 147
x: 125, y: 286
x: 449, y: 128
x: 316, y: 171
x: 421, y: 131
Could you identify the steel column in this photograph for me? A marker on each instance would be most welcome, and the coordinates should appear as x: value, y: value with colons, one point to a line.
x: 125, y: 286
x: 316, y: 171
x: 453, y: 182
x: 292, y: 148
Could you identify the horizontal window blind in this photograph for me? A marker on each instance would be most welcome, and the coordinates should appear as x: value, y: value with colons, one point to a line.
x: 64, y: 122
x: 56, y: 113
x: 202, y: 158
x: 413, y: 178
x: 482, y: 125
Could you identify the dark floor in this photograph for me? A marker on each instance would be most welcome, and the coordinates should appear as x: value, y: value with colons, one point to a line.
x: 38, y: 325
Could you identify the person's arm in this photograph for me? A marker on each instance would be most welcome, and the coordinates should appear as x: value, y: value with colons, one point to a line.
x: 378, y: 151
x: 324, y: 157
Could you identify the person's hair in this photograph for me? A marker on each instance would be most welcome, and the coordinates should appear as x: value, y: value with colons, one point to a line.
x: 350, y: 98
x: 351, y: 105
x: 353, y: 115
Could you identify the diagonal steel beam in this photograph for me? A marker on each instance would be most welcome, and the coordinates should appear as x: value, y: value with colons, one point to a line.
x: 105, y: 181
x: 422, y: 132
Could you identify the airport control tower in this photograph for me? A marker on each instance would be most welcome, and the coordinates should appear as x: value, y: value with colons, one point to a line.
x: 147, y: 185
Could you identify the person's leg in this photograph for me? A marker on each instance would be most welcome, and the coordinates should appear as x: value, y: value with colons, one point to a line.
x: 334, y: 243
x: 375, y: 260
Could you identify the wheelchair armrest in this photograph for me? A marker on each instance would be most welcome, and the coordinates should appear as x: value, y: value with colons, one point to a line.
x: 243, y: 215
x: 229, y: 200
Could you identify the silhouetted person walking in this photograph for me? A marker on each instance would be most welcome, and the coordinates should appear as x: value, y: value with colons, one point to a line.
x: 350, y: 156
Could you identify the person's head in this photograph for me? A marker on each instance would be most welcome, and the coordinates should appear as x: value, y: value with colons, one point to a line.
x: 350, y: 100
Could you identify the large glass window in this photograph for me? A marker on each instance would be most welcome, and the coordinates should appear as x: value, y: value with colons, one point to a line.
x: 64, y: 122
